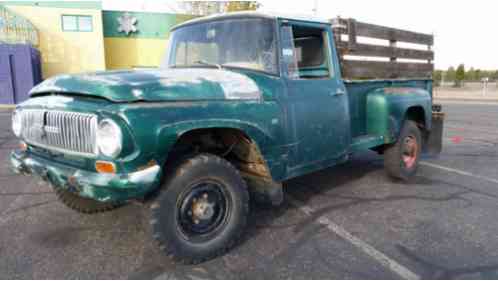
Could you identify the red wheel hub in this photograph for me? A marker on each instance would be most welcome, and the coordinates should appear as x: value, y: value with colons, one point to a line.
x: 410, y: 151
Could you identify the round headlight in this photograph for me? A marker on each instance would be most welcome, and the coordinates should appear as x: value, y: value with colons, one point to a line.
x: 109, y: 138
x: 16, y: 123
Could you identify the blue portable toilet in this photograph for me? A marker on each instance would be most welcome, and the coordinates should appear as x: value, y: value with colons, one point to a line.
x: 20, y: 70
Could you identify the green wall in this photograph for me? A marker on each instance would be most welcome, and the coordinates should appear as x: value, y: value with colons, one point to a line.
x: 149, y: 25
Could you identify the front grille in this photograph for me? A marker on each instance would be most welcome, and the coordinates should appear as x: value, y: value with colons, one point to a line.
x: 68, y: 132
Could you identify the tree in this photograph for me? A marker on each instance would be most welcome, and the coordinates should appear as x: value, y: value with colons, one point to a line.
x: 495, y: 75
x: 234, y: 6
x: 478, y: 75
x: 204, y: 8
x: 437, y: 76
x: 450, y: 74
x: 459, y: 75
x: 470, y: 75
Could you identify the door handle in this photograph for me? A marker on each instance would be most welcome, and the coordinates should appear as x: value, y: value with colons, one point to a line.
x: 338, y: 92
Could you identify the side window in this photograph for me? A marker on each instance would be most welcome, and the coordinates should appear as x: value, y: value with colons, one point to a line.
x: 311, y: 52
x: 77, y: 23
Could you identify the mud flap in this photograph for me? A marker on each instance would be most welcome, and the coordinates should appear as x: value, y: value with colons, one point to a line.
x: 263, y: 190
x: 434, y: 141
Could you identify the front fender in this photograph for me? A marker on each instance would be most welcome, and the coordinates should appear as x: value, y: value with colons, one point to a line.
x: 169, y: 134
x: 158, y: 126
x: 387, y: 109
x: 273, y: 154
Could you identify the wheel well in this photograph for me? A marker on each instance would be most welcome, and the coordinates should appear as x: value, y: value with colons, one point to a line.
x: 234, y: 145
x: 417, y: 114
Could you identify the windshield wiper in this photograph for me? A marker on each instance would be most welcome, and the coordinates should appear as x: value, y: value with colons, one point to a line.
x: 202, y: 62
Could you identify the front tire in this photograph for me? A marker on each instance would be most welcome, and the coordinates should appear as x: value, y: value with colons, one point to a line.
x: 401, y: 159
x: 201, y: 211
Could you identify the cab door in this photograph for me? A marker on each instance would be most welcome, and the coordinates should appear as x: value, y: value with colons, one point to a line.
x: 317, y: 102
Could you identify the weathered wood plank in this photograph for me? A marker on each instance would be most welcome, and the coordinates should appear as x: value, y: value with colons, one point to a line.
x: 354, y: 69
x: 369, y: 50
x: 386, y: 33
x: 374, y: 69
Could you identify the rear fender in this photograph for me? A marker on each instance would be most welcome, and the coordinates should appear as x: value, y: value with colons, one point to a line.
x: 387, y: 109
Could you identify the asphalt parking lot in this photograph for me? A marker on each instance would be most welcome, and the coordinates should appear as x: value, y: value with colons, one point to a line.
x: 348, y: 222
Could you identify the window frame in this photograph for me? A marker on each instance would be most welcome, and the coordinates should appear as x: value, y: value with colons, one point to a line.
x: 327, y: 52
x: 77, y: 17
x: 172, y: 53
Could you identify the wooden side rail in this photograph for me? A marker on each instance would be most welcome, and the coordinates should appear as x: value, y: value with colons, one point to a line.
x: 383, y: 60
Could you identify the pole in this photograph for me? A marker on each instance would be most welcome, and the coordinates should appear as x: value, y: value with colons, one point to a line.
x: 315, y: 8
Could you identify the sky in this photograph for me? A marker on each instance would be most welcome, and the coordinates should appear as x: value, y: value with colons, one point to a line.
x: 465, y: 31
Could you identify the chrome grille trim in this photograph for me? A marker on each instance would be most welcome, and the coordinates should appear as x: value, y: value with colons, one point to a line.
x: 62, y: 131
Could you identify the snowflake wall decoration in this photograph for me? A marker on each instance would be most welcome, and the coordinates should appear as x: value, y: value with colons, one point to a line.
x: 127, y: 24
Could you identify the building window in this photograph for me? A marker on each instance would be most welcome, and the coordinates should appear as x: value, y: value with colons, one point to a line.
x: 77, y: 23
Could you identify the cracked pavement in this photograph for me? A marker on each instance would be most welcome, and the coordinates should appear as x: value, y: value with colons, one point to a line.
x: 441, y: 226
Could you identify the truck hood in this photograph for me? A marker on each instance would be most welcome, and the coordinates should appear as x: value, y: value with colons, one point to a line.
x: 155, y: 85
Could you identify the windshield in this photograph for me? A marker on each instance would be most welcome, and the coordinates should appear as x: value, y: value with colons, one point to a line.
x: 244, y: 43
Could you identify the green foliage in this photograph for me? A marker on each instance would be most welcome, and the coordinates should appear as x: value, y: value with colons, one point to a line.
x: 471, y: 75
x: 476, y: 75
x: 460, y: 75
x: 437, y: 76
x: 450, y: 74
x: 235, y: 6
x: 494, y: 75
x: 214, y: 7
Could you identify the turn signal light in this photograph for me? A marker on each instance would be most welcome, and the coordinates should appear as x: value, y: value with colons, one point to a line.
x: 105, y: 167
x: 23, y: 146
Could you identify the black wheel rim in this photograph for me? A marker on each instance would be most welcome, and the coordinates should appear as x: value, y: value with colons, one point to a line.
x: 203, y: 210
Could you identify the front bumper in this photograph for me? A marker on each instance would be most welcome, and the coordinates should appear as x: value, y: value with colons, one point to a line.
x: 100, y: 187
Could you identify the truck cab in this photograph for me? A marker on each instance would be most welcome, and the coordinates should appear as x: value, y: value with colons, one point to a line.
x: 242, y: 103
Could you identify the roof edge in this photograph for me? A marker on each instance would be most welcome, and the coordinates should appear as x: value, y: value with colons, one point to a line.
x: 252, y: 14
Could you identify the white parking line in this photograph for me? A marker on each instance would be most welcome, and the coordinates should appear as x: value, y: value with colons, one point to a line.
x: 380, y: 257
x: 463, y: 173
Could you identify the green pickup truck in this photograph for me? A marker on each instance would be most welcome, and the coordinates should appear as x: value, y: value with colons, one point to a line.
x: 242, y: 103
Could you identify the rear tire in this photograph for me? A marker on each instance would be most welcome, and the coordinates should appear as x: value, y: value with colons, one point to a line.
x: 83, y: 205
x: 401, y: 159
x: 201, y: 211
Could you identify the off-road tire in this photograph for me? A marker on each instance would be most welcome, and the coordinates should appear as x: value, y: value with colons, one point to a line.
x: 83, y: 205
x: 394, y: 164
x: 167, y: 210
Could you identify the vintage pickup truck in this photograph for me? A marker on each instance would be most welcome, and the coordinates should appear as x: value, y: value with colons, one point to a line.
x: 243, y: 102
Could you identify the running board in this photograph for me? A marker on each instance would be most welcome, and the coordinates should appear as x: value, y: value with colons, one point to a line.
x: 366, y: 142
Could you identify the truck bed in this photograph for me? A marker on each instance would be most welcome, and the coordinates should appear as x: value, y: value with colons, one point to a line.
x: 375, y: 64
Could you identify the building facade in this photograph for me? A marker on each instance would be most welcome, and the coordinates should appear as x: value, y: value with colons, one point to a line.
x: 78, y: 36
x: 143, y: 47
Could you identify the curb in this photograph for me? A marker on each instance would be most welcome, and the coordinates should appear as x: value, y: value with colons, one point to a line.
x: 466, y: 99
x: 7, y: 106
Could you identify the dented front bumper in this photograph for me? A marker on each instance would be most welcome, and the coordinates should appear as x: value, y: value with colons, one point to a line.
x: 100, y: 187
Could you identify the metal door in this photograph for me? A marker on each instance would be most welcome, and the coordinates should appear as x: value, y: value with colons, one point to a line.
x: 6, y: 79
